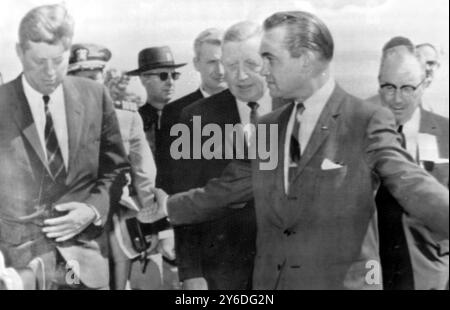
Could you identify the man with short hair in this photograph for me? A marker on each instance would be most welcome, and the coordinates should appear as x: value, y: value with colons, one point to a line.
x: 207, y: 51
x: 219, y: 254
x: 411, y: 255
x: 429, y: 56
x: 61, y: 152
x: 394, y: 45
x: 315, y: 211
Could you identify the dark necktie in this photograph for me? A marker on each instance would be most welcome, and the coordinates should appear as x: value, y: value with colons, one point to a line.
x: 254, y: 112
x: 54, y: 155
x: 295, y: 147
x: 400, y: 131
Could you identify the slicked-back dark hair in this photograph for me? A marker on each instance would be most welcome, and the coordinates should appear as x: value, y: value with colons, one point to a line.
x: 304, y: 31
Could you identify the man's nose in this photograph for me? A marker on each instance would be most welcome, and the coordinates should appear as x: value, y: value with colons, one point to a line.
x: 49, y: 68
x: 264, y: 70
x: 398, y: 96
x: 170, y: 80
x: 220, y: 69
x: 242, y: 75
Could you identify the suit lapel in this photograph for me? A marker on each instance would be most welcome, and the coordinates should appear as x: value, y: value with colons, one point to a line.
x: 25, y: 122
x: 74, y: 117
x: 326, y: 124
x: 427, y: 123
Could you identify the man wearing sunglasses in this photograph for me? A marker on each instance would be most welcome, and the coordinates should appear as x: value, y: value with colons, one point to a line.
x: 157, y: 72
x: 411, y: 256
x: 158, y: 75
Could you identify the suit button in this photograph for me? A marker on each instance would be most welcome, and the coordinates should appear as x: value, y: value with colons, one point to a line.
x: 296, y: 267
x: 279, y: 266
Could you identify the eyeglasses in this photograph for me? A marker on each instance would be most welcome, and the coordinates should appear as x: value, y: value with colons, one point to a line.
x: 406, y: 90
x: 163, y: 76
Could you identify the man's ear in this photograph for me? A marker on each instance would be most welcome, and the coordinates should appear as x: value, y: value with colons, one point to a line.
x: 307, y: 61
x: 195, y: 62
x: 19, y: 51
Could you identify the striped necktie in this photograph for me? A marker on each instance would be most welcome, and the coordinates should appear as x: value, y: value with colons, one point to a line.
x: 54, y: 155
x: 295, y: 147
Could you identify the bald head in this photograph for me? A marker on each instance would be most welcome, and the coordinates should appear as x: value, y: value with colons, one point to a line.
x: 401, y: 84
x: 402, y: 63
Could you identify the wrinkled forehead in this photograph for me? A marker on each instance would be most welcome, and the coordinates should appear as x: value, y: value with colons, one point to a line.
x: 248, y: 49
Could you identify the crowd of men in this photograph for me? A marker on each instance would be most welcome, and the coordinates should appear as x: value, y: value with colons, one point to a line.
x: 92, y: 196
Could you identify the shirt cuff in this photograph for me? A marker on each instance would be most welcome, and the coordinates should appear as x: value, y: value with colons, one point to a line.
x: 98, y: 220
x: 164, y: 234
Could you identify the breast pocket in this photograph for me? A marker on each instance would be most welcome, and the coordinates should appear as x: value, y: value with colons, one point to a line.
x: 330, y: 182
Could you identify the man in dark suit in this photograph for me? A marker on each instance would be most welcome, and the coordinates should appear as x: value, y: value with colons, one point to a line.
x: 207, y: 62
x: 219, y: 254
x: 411, y: 255
x: 61, y: 151
x: 207, y: 52
x: 316, y: 214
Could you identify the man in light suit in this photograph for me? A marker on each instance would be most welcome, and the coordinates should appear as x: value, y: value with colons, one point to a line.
x: 61, y: 152
x: 316, y: 215
x: 220, y: 253
x: 411, y: 255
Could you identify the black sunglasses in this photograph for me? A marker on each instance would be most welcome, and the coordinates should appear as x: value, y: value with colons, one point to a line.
x: 163, y: 76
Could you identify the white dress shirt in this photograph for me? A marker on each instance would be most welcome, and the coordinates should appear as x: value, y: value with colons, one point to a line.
x: 57, y: 108
x: 314, y: 106
x: 265, y: 106
x: 411, y: 132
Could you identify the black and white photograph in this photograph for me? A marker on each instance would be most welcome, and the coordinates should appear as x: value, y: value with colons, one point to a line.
x: 224, y: 145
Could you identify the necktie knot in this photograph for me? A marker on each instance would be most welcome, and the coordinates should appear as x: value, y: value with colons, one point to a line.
x: 254, y: 112
x: 300, y: 108
x: 400, y: 129
x: 46, y: 99
x: 253, y: 105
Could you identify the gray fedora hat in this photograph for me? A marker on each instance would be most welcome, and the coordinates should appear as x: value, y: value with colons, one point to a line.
x: 155, y: 58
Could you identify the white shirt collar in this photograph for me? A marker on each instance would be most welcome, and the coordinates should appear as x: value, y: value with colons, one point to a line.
x: 314, y: 106
x: 411, y: 131
x: 204, y: 93
x: 319, y: 99
x: 57, y: 109
x: 265, y: 106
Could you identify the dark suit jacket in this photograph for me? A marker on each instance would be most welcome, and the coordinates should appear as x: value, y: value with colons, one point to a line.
x: 171, y: 116
x: 222, y: 250
x: 96, y: 157
x: 323, y: 233
x: 411, y: 256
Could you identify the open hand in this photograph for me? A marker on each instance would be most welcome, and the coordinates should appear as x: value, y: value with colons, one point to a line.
x: 65, y: 227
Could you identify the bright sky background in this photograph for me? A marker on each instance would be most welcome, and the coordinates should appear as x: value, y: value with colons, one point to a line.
x: 360, y: 28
